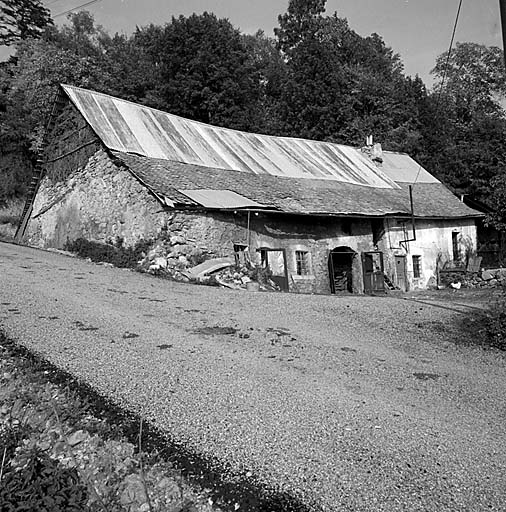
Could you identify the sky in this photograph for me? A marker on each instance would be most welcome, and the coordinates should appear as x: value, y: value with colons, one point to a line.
x: 419, y: 30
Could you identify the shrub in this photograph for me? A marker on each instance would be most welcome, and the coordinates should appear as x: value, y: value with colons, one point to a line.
x: 494, y: 322
x: 261, y: 274
x: 112, y: 252
x: 42, y: 484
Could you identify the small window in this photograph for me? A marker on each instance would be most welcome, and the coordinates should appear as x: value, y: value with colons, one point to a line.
x: 378, y: 230
x: 455, y: 246
x: 346, y: 226
x: 417, y: 266
x: 302, y: 263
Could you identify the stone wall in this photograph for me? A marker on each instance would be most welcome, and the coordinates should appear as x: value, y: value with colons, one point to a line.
x: 191, y: 236
x: 99, y: 202
x: 102, y: 202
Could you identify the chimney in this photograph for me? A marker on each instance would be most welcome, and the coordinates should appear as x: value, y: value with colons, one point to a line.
x: 373, y: 151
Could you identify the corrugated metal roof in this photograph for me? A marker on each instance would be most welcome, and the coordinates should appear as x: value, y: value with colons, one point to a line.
x: 222, y: 199
x: 132, y: 128
x: 401, y: 168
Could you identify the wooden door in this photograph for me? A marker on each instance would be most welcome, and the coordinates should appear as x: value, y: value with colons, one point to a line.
x: 372, y: 266
x: 401, y: 273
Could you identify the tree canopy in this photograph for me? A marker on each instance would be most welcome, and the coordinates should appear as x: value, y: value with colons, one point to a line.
x: 22, y: 19
x: 316, y: 78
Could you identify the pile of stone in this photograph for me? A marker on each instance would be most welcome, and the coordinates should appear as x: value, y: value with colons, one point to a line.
x: 172, y: 258
x: 489, y: 278
x: 175, y: 259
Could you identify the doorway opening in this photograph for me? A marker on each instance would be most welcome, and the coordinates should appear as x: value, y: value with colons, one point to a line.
x: 372, y: 267
x: 341, y: 269
x: 275, y: 260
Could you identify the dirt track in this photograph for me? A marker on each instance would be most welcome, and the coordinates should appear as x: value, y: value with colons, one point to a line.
x: 351, y: 403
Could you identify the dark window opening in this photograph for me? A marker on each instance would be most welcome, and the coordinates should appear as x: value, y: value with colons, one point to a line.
x: 346, y: 226
x: 417, y: 266
x: 455, y: 246
x: 378, y: 230
x: 302, y: 263
x: 241, y: 254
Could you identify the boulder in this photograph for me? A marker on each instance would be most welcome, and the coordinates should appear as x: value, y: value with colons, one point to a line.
x: 183, y: 260
x: 177, y: 240
x: 160, y: 262
x: 487, y: 275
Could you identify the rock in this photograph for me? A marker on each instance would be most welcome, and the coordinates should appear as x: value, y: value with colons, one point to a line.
x: 183, y: 260
x: 160, y: 262
x: 486, y: 275
x: 493, y: 282
x: 177, y: 240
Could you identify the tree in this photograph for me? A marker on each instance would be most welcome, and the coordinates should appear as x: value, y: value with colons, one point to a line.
x: 466, y: 132
x: 22, y: 19
x: 340, y: 86
x: 28, y: 86
x: 475, y: 79
x: 203, y: 70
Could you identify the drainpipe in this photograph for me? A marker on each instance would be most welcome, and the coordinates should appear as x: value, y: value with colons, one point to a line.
x: 412, y: 217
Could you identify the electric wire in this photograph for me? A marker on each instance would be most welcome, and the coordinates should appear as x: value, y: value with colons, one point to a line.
x: 445, y: 70
x: 77, y: 7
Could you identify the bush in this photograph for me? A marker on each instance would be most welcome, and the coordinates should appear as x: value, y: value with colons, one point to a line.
x: 42, y: 484
x: 261, y: 275
x: 112, y: 252
x: 494, y: 323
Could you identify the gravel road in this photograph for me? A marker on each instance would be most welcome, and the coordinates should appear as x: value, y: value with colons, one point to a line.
x: 350, y: 403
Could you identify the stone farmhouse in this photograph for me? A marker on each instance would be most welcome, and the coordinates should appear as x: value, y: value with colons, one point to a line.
x: 324, y: 217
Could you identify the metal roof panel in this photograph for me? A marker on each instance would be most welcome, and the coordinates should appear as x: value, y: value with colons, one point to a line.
x: 129, y: 127
x: 226, y: 199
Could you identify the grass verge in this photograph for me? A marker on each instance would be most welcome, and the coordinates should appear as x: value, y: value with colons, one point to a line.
x: 64, y: 444
x: 488, y: 328
x: 57, y: 455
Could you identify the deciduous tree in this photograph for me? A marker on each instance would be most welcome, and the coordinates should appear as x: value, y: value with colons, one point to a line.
x: 22, y: 19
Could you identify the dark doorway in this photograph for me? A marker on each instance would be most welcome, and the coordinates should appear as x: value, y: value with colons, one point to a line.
x: 401, y: 273
x: 275, y: 259
x: 341, y: 269
x: 374, y: 279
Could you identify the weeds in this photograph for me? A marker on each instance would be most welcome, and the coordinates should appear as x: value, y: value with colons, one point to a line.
x: 112, y: 252
x: 488, y: 328
x: 493, y: 323
x: 55, y: 455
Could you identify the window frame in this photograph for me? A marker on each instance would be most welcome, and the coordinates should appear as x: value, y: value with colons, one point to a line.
x: 455, y: 246
x: 302, y: 265
x: 416, y: 260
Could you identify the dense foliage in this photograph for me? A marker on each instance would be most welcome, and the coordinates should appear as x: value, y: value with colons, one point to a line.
x: 316, y: 78
x: 21, y: 19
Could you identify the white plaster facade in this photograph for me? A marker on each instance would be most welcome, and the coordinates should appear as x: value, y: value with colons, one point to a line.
x: 433, y: 243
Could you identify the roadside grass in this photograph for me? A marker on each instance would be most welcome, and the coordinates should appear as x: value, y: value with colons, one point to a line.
x: 488, y: 327
x: 56, y: 455
x: 114, y: 252
x: 9, y: 218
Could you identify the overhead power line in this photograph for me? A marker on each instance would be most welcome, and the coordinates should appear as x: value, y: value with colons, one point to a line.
x: 77, y: 7
x: 445, y: 71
